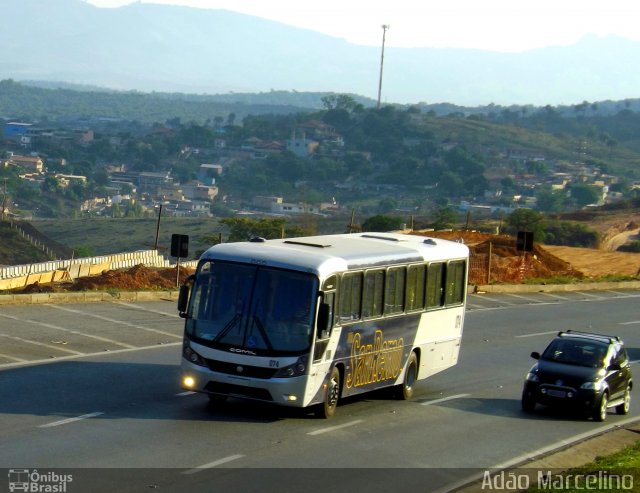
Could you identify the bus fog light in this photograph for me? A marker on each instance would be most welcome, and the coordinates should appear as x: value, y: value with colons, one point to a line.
x: 189, y: 382
x: 291, y: 398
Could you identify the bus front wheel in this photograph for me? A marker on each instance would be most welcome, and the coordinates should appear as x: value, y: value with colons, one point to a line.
x: 331, y: 395
x: 405, y: 391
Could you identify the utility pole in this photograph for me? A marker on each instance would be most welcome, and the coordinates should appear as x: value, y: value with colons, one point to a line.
x: 155, y: 245
x: 384, y: 33
x: 4, y: 198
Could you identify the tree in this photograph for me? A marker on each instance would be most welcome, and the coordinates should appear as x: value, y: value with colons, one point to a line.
x: 387, y: 205
x: 527, y: 220
x: 550, y: 200
x: 243, y: 229
x: 382, y: 223
x: 445, y: 218
x: 339, y: 102
x: 583, y: 194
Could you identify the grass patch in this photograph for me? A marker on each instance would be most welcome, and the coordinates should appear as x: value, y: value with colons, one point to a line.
x: 577, y: 280
x: 610, y: 468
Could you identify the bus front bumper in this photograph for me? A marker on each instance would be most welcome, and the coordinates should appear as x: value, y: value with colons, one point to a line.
x: 281, y: 391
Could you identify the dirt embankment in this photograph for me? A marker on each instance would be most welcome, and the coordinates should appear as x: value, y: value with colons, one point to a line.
x: 494, y: 259
x: 137, y: 278
x: 546, y: 261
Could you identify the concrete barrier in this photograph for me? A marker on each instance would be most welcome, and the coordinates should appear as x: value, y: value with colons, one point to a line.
x: 17, y: 276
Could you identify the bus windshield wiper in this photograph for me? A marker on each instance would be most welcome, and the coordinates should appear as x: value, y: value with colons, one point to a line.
x: 227, y: 328
x: 263, y: 332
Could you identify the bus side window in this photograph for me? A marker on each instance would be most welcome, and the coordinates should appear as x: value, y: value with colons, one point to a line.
x: 455, y: 285
x: 325, y: 323
x: 394, y: 291
x: 350, y: 295
x: 373, y: 292
x: 415, y: 287
x: 434, y: 285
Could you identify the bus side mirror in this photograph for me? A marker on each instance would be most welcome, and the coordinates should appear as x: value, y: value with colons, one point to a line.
x: 183, y: 300
x: 323, y: 321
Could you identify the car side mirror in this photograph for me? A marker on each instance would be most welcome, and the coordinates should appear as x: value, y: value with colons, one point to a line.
x: 535, y: 355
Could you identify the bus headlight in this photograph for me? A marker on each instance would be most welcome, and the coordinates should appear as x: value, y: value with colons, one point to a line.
x: 294, y: 370
x: 191, y: 356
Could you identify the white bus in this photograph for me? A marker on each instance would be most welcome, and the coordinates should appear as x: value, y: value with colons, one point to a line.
x: 306, y: 321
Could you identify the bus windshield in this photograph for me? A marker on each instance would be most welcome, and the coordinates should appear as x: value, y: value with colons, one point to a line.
x: 262, y: 310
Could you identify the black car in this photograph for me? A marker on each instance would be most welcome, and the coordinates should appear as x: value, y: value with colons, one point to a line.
x: 582, y: 371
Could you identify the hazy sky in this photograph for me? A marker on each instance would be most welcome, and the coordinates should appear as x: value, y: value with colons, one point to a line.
x: 500, y: 25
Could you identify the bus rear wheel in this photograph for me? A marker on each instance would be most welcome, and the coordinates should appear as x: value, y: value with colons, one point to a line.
x: 406, y: 390
x: 331, y: 395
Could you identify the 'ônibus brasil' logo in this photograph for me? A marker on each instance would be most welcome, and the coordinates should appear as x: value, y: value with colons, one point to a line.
x: 374, y: 362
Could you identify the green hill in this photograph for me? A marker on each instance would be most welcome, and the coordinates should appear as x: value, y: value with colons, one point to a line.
x: 15, y: 250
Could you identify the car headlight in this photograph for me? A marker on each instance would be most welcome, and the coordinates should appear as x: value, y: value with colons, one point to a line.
x: 532, y: 377
x: 596, y: 385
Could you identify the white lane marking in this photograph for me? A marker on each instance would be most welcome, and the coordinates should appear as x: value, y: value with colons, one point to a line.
x: 334, y: 428
x: 473, y: 305
x: 585, y: 293
x: 633, y: 322
x: 157, y: 312
x: 184, y: 394
x: 485, y: 297
x: 555, y: 296
x: 621, y: 294
x: 68, y: 331
x: 12, y: 358
x: 536, y: 334
x: 36, y: 343
x: 114, y: 321
x: 84, y: 355
x: 563, y: 443
x: 215, y: 463
x: 534, y: 454
x: 519, y: 296
x: 445, y: 399
x: 71, y: 420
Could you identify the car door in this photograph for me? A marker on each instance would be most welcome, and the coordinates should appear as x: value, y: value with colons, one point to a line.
x: 618, y: 372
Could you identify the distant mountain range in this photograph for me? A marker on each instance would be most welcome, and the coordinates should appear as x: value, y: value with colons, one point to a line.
x: 148, y: 47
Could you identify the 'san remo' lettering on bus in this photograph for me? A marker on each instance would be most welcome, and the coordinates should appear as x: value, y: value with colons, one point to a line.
x: 376, y: 362
x: 306, y: 321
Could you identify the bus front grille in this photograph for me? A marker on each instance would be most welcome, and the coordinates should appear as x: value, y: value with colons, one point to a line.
x: 239, y: 391
x: 240, y: 370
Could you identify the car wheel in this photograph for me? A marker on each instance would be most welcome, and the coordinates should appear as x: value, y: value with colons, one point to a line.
x: 528, y: 403
x: 600, y: 411
x: 624, y: 407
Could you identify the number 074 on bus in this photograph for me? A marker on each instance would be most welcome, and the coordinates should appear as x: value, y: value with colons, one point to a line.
x: 306, y: 321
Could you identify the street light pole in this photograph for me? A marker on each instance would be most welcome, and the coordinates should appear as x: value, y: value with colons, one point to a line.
x: 384, y: 33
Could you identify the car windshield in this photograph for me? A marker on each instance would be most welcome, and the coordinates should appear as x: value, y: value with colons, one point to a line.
x: 576, y: 352
x: 263, y: 310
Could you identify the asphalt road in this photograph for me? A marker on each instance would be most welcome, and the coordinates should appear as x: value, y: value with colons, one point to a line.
x: 92, y: 391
